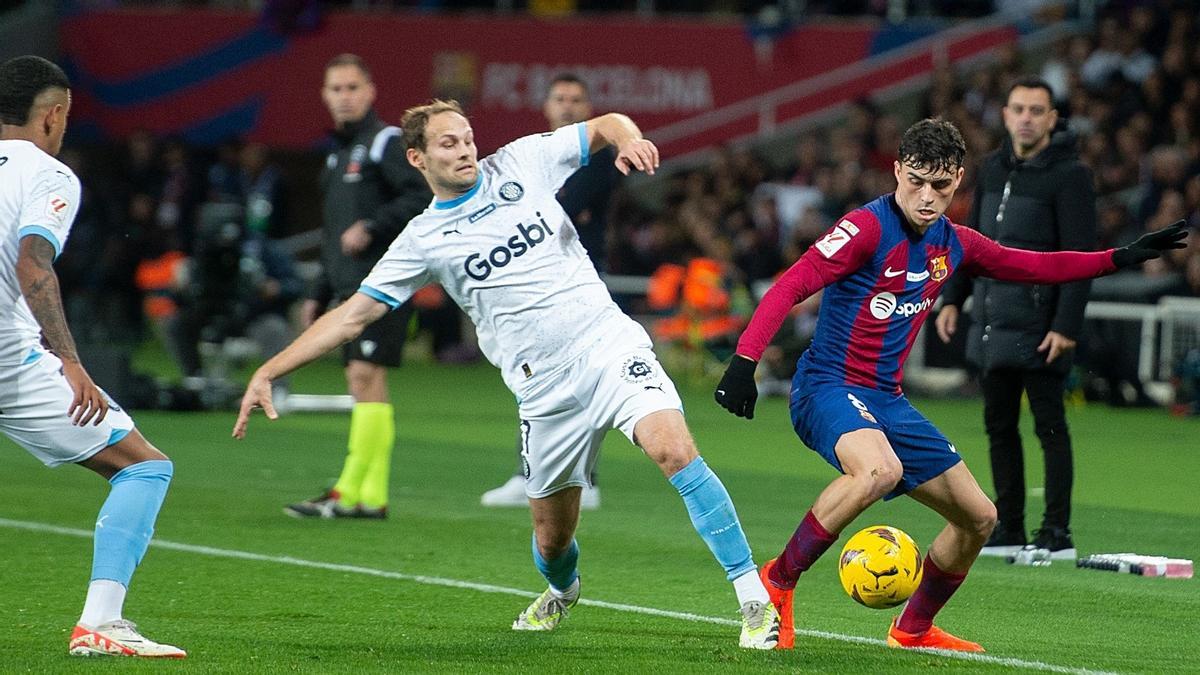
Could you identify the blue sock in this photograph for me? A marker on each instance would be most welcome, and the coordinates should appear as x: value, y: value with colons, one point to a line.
x: 713, y: 516
x: 126, y: 520
x: 563, y: 570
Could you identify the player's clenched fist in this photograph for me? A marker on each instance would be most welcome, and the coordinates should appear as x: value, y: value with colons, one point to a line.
x: 736, y: 391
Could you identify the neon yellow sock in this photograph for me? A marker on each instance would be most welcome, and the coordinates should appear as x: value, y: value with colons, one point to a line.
x: 378, y: 438
x: 358, y: 459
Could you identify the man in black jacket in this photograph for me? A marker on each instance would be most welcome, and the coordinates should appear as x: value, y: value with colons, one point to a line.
x: 585, y: 197
x: 370, y: 193
x: 1032, y: 193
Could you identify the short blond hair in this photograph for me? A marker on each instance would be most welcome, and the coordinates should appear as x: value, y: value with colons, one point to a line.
x: 416, y: 119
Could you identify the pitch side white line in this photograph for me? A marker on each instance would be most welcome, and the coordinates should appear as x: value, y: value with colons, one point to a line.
x: 489, y: 588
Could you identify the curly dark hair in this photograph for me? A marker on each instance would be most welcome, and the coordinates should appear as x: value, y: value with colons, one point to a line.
x: 933, y: 144
x: 22, y: 80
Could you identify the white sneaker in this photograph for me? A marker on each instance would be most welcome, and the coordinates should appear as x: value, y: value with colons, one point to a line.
x: 512, y: 493
x: 589, y: 499
x: 760, y: 625
x: 118, y: 638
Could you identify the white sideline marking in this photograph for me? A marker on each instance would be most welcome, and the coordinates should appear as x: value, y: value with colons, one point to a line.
x: 489, y: 588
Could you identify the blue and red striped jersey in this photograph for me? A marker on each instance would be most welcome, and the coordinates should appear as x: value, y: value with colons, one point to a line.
x: 881, y: 278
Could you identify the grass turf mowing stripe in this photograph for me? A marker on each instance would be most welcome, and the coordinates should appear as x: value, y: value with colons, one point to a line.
x: 489, y: 588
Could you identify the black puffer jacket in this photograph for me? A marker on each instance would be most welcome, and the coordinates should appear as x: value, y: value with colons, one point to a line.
x: 1047, y: 203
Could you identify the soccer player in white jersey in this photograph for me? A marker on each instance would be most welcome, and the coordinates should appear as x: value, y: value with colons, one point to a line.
x: 499, y: 243
x: 48, y: 403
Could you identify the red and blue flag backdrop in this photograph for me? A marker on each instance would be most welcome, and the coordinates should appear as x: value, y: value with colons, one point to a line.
x: 208, y: 74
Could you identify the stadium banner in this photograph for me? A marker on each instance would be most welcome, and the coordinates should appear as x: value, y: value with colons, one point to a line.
x: 207, y: 75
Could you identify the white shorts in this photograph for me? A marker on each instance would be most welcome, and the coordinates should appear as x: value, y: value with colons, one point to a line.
x: 564, y: 422
x: 34, y: 399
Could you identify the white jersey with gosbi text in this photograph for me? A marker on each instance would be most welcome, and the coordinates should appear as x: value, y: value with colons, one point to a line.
x: 39, y: 196
x: 511, y: 258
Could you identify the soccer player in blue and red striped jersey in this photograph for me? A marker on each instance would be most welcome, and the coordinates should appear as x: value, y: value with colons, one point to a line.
x: 882, y: 267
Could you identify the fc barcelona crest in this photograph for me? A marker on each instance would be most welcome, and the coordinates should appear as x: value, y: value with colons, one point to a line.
x: 938, y: 269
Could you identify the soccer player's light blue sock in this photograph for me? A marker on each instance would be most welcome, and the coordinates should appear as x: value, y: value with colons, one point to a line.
x: 713, y: 516
x: 560, y: 572
x: 126, y: 520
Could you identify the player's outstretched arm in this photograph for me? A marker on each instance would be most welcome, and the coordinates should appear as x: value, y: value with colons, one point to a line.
x: 39, y: 286
x: 334, y: 328
x: 987, y: 258
x: 633, y: 151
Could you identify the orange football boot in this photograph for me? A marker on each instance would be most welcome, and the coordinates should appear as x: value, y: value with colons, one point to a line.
x: 782, y: 599
x: 934, y: 638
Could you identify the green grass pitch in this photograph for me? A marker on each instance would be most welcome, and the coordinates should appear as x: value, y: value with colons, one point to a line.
x: 246, y: 589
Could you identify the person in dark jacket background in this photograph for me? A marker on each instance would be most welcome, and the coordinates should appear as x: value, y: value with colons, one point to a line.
x: 1032, y: 193
x: 370, y: 193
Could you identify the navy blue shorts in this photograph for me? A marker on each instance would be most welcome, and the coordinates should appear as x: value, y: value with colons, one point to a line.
x: 822, y: 413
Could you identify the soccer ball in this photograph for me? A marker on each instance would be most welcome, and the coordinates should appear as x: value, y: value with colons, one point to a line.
x: 880, y: 567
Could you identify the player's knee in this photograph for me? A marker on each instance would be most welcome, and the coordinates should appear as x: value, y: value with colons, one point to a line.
x: 553, y: 545
x: 881, y: 478
x: 982, y: 521
x: 676, y: 455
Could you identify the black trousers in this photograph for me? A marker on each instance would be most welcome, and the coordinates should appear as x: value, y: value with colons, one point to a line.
x: 1001, y: 412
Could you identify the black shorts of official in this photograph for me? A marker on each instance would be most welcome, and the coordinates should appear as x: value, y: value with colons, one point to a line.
x: 382, y: 342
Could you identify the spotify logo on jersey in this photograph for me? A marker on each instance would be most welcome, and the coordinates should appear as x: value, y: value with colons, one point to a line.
x: 883, y: 305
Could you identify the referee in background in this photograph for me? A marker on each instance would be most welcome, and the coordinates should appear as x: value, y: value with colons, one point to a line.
x: 370, y: 193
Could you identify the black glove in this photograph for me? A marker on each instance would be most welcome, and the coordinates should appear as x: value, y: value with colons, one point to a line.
x: 1150, y: 246
x: 737, y: 392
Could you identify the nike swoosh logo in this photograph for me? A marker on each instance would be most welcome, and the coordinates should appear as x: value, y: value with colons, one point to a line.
x: 910, y: 276
x: 720, y: 392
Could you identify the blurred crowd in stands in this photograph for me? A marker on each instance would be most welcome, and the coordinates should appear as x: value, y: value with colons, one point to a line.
x: 1130, y: 89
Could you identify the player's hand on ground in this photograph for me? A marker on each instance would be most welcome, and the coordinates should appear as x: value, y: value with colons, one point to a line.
x: 1151, y: 245
x: 89, y: 404
x: 737, y: 392
x: 356, y: 238
x: 947, y: 323
x: 638, y: 154
x: 1055, y: 345
x: 258, y: 395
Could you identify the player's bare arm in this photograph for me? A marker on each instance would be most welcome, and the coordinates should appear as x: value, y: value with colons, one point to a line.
x: 334, y: 328
x: 633, y: 151
x: 39, y: 286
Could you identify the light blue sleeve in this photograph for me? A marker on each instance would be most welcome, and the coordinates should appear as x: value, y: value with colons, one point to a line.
x: 398, y: 274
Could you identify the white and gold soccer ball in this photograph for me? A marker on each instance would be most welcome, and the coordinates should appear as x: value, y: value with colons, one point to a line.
x: 880, y: 567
